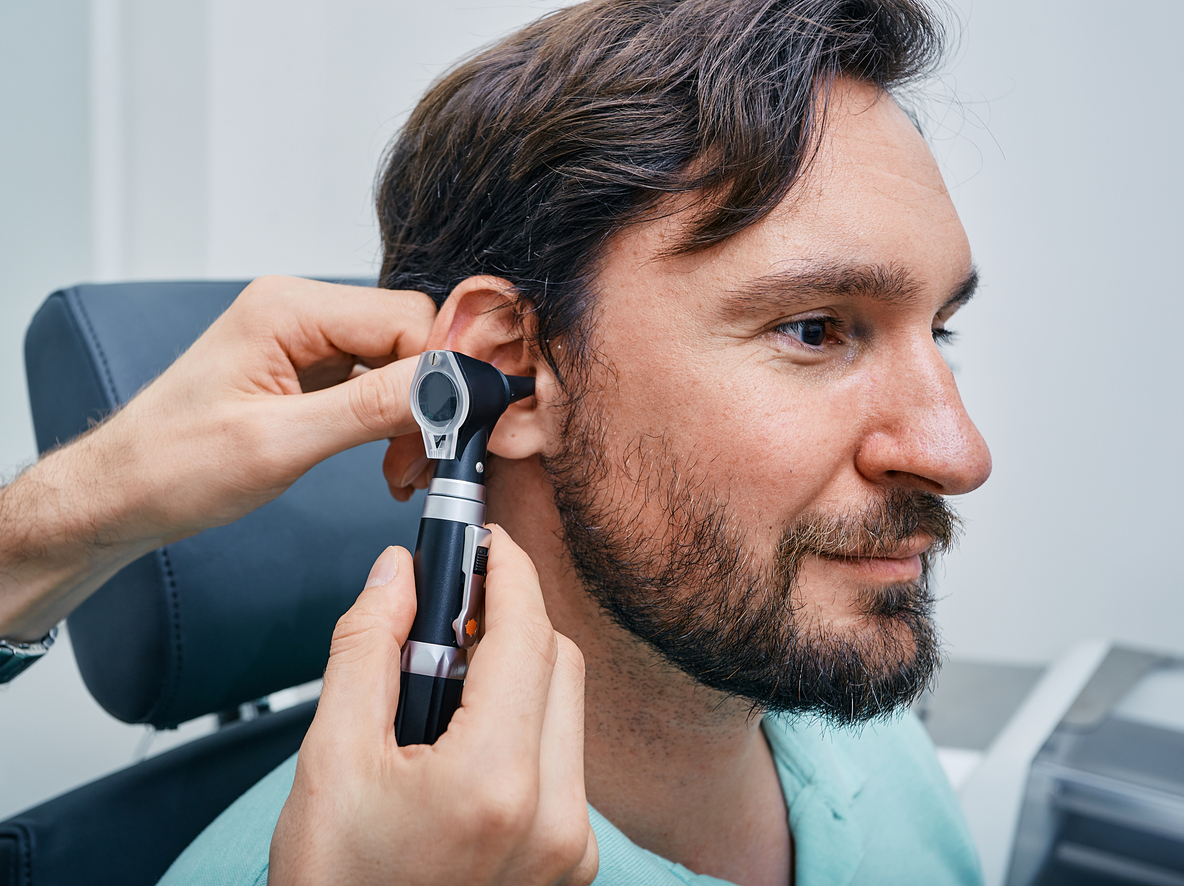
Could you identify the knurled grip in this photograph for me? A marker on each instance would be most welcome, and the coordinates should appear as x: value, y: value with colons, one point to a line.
x: 426, y: 706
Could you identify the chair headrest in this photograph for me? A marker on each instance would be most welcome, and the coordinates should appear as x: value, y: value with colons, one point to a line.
x: 236, y: 612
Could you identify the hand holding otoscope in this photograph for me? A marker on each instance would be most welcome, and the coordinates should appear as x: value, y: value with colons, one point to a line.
x: 364, y: 805
x: 439, y: 817
x: 456, y: 400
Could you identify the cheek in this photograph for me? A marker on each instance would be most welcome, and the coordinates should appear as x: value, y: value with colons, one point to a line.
x: 771, y: 452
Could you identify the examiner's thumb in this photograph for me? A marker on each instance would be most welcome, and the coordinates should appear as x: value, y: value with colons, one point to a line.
x: 384, y: 570
x: 373, y: 405
x: 361, y: 687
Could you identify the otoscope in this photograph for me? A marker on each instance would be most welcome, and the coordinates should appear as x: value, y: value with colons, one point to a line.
x: 456, y: 400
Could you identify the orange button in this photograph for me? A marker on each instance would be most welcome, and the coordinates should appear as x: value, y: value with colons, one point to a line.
x: 471, y: 627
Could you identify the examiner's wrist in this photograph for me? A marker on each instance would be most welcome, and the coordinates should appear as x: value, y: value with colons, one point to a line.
x: 16, y: 657
x: 100, y: 494
x: 124, y: 484
x: 67, y: 524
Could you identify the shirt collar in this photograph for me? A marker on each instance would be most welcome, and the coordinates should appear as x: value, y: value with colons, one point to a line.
x: 819, y: 782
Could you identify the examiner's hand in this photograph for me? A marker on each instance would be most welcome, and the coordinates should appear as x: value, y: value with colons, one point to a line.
x: 498, y: 799
x: 273, y: 387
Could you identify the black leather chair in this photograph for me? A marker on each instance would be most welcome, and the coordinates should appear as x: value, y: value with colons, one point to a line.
x: 201, y: 626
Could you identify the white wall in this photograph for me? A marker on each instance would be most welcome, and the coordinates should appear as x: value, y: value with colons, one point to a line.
x: 44, y: 185
x: 230, y: 138
x: 1070, y: 186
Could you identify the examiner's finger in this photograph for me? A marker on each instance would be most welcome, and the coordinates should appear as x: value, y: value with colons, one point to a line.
x: 361, y: 689
x: 562, y: 773
x: 585, y: 872
x: 372, y: 406
x: 361, y: 320
x: 563, y: 804
x: 404, y: 464
x: 376, y: 324
x: 509, y: 680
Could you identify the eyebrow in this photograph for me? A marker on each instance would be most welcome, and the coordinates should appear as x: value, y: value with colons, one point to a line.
x: 790, y: 290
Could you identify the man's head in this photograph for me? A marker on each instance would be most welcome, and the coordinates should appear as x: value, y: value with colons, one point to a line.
x: 525, y: 160
x: 731, y: 252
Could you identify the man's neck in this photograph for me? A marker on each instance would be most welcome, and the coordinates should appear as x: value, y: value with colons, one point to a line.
x: 680, y: 769
x: 682, y: 772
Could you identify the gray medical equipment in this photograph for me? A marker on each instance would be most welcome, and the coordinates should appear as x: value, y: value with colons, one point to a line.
x: 1104, y: 801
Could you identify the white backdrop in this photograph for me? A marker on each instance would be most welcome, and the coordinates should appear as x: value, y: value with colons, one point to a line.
x: 232, y: 138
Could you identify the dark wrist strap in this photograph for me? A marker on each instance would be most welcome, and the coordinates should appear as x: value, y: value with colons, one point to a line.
x: 15, y: 657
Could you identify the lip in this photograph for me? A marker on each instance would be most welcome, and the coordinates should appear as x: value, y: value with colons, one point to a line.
x: 900, y: 565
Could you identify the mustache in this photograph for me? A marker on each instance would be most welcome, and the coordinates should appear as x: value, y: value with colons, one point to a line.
x: 879, y: 529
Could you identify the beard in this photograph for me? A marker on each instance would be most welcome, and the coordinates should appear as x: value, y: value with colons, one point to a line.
x: 733, y: 620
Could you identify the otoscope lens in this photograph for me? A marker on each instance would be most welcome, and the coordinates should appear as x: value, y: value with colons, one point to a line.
x: 437, y: 398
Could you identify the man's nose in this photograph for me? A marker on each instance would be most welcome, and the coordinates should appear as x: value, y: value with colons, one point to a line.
x: 920, y: 433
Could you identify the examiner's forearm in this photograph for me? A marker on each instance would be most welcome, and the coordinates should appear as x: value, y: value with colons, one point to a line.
x: 66, y: 526
x: 268, y: 391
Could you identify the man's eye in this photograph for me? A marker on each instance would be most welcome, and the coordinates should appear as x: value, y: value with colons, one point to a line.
x: 808, y: 332
x: 943, y: 336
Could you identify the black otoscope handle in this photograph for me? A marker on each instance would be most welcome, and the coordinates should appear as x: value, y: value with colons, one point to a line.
x: 456, y: 400
x: 450, y: 558
x: 426, y: 706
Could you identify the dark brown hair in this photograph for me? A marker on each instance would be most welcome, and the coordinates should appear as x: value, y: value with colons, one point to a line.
x: 523, y: 160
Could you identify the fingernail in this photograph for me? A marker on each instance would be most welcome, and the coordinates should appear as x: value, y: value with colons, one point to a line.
x: 385, y: 568
x: 413, y: 470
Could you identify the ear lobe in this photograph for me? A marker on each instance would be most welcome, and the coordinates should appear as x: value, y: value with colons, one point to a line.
x: 484, y: 317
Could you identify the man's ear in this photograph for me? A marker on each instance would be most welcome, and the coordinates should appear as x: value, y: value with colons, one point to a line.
x: 485, y: 318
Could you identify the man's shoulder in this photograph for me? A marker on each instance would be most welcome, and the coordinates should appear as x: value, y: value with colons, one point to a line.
x: 234, y: 849
x: 875, y: 793
x: 869, y: 805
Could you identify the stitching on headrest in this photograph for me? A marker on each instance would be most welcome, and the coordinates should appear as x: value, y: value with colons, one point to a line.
x: 170, y: 693
x: 105, y: 376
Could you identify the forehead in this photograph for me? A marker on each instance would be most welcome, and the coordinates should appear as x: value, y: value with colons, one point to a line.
x: 872, y: 195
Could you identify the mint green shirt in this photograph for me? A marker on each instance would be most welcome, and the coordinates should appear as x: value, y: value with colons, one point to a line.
x: 865, y: 807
